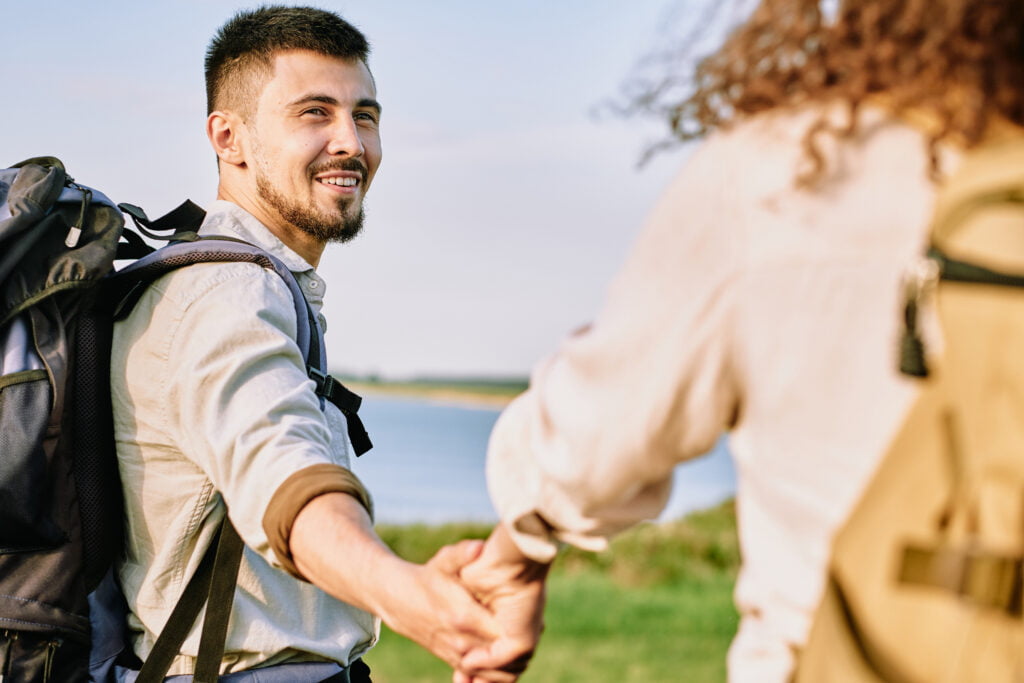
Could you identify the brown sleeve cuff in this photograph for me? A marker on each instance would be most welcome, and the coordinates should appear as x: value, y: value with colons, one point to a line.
x: 292, y: 496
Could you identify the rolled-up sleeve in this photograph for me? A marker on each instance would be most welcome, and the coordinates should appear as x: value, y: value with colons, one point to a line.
x: 589, y: 449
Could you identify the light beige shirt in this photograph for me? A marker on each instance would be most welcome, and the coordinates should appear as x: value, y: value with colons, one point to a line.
x: 212, y: 404
x: 746, y: 305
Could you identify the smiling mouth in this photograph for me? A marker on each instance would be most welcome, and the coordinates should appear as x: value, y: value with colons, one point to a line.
x: 339, y: 182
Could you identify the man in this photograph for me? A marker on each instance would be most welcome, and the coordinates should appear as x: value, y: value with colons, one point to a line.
x: 763, y: 298
x: 213, y: 408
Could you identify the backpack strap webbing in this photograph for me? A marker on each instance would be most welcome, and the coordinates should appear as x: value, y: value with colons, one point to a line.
x: 183, y: 221
x: 219, y: 600
x: 213, y: 584
x: 953, y: 270
x: 329, y: 388
x: 132, y: 246
x: 348, y: 402
x: 985, y: 579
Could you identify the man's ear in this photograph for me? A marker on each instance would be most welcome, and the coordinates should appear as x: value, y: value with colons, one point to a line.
x: 225, y: 130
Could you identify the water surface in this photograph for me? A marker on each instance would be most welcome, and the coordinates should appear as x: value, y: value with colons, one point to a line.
x: 427, y: 464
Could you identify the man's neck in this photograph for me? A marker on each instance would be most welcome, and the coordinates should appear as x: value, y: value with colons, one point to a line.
x: 299, y: 241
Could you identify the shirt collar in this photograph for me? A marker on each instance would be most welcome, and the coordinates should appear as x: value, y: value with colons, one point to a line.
x: 228, y: 219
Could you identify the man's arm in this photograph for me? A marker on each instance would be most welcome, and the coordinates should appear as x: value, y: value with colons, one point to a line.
x: 237, y: 397
x: 334, y: 546
x: 511, y: 585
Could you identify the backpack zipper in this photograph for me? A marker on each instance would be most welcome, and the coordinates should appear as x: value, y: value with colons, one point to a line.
x: 51, y: 653
x: 5, y: 662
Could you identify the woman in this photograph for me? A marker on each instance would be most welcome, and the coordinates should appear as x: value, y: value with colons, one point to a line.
x: 762, y: 298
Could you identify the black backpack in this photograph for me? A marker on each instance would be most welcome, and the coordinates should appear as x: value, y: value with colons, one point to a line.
x: 60, y: 494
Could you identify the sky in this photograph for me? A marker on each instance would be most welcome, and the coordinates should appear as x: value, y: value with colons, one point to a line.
x: 508, y: 195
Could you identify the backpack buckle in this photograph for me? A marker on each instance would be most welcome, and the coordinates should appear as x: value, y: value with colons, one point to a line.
x: 348, y: 402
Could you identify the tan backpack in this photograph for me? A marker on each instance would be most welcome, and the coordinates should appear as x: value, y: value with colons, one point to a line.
x: 925, y: 580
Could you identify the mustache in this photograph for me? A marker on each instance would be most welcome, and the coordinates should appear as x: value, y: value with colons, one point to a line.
x: 339, y: 165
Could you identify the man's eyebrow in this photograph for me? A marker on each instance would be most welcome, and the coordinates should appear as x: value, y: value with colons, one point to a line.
x: 365, y: 103
x: 368, y: 103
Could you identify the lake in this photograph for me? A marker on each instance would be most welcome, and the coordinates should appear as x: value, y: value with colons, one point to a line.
x: 427, y: 465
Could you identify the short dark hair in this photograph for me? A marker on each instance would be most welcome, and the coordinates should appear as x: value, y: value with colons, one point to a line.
x: 243, y: 49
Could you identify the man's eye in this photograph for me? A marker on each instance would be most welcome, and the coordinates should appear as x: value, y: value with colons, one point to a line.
x: 316, y: 111
x: 365, y: 116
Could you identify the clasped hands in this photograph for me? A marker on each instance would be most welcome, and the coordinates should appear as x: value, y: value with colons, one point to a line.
x: 493, y: 641
x: 477, y: 606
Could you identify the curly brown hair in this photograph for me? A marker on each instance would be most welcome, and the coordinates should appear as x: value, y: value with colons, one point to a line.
x: 959, y: 61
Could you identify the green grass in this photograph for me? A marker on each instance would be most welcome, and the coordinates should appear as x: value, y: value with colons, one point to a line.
x: 655, y: 607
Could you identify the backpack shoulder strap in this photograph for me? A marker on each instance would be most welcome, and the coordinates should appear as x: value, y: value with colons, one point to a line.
x: 129, y: 284
x: 976, y: 219
x: 213, y: 585
x: 975, y: 236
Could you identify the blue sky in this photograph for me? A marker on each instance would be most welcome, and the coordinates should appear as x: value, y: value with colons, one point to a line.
x: 503, y: 205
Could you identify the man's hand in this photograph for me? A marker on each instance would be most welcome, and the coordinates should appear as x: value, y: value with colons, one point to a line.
x: 334, y: 547
x: 434, y: 610
x: 511, y: 585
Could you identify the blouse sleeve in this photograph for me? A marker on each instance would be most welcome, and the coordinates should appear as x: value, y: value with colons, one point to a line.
x: 589, y: 449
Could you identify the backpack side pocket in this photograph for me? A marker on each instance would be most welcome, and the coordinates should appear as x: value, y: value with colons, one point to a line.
x: 26, y: 399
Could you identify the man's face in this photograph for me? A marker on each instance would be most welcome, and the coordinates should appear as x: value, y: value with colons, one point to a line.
x: 315, y: 143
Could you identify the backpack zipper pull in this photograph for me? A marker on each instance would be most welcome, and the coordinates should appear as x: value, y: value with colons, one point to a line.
x: 919, y: 282
x: 51, y: 653
x: 75, y: 233
x: 71, y: 241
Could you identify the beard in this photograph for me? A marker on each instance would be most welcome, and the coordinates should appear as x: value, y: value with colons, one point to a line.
x: 308, y: 217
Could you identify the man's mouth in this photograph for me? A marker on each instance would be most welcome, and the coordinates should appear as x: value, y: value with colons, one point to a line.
x: 347, y: 181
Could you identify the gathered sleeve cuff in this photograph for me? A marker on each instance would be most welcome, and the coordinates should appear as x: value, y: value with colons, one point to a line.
x: 293, y: 495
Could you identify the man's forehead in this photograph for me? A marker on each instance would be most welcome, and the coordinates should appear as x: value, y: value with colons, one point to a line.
x: 307, y: 65
x: 294, y: 71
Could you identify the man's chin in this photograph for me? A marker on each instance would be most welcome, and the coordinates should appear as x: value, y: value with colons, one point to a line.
x: 342, y: 228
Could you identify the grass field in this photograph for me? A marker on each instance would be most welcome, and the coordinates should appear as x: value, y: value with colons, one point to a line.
x: 655, y: 607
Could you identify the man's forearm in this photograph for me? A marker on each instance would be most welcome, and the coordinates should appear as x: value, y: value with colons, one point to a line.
x: 334, y: 546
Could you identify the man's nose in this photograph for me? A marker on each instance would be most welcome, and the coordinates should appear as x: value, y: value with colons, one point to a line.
x: 345, y: 139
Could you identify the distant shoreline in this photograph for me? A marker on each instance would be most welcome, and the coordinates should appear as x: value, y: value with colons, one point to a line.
x: 468, y: 395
